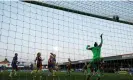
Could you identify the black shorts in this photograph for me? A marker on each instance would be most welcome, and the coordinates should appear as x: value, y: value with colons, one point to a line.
x: 39, y: 65
x: 51, y: 66
x: 14, y: 66
x: 69, y: 67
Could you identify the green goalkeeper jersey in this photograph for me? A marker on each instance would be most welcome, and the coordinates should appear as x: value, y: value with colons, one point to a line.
x: 96, y: 52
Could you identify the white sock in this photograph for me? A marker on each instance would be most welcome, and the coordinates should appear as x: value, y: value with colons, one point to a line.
x: 15, y: 72
x: 10, y: 74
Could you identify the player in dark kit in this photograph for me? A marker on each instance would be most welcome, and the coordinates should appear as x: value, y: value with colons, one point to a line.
x: 51, y: 63
x: 14, y: 65
x: 69, y: 66
x: 39, y: 61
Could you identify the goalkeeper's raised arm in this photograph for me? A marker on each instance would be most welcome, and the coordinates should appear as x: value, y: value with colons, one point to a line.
x: 100, y: 45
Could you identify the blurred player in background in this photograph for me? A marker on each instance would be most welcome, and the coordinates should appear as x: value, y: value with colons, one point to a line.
x: 69, y: 67
x: 14, y: 65
x: 85, y: 68
x: 96, y: 50
x: 54, y: 64
x: 39, y: 61
x: 51, y: 63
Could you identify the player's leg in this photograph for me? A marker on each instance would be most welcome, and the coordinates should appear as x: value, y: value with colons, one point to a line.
x: 98, y: 71
x: 69, y: 70
x: 16, y: 69
x: 98, y: 75
x: 50, y: 72
x: 89, y: 73
x: 56, y: 68
x: 85, y: 71
x: 50, y: 66
x: 53, y: 70
x: 38, y: 67
x: 11, y: 73
x: 93, y: 67
x: 40, y: 71
x: 96, y: 66
x: 50, y: 69
x: 101, y: 69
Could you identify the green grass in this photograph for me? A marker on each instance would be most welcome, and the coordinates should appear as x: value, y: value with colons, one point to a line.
x: 61, y: 76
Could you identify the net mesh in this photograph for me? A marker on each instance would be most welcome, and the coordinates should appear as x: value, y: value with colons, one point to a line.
x: 27, y: 29
x: 104, y: 8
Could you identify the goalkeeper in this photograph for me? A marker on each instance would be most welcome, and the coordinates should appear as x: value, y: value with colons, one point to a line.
x: 96, y: 50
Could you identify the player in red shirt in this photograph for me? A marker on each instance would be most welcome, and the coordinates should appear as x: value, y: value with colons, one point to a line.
x: 39, y: 61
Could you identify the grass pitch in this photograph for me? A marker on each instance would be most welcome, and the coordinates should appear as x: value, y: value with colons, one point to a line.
x: 61, y: 76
